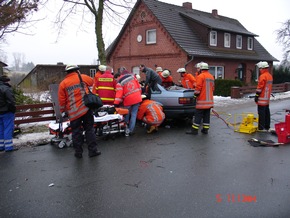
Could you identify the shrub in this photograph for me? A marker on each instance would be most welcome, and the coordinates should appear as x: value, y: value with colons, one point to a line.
x: 21, y: 99
x: 223, y: 86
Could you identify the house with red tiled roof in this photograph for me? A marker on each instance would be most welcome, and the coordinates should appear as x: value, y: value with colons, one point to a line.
x: 171, y: 36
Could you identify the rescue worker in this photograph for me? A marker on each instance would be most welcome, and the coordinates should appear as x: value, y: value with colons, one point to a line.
x: 263, y: 94
x: 152, y: 79
x: 203, y: 95
x: 167, y: 80
x: 197, y: 70
x: 102, y: 69
x: 188, y: 81
x: 70, y: 97
x: 128, y: 93
x: 106, y: 87
x: 7, y: 115
x: 151, y: 113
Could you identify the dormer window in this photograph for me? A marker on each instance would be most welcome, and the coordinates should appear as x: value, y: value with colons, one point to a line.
x: 213, y: 38
x: 250, y: 43
x: 227, y: 40
x: 151, y: 36
x: 239, y: 42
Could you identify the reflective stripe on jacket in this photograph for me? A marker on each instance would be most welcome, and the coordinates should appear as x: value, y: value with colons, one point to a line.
x: 188, y: 81
x: 204, y: 90
x: 151, y: 112
x: 97, y: 75
x: 128, y: 90
x: 106, y: 88
x: 264, y: 87
x: 70, y: 95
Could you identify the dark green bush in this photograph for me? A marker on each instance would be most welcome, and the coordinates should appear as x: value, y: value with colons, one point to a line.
x: 223, y: 87
x: 281, y: 74
x: 21, y: 99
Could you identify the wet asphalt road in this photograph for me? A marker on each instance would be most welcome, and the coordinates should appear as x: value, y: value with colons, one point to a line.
x: 167, y: 174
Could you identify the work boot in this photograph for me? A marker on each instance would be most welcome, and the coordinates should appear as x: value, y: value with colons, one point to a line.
x: 78, y: 155
x: 151, y: 129
x: 94, y: 153
x: 204, y: 131
x: 192, y: 131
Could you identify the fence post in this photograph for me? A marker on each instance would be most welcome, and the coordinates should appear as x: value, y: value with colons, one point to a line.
x: 235, y: 92
x: 287, y: 86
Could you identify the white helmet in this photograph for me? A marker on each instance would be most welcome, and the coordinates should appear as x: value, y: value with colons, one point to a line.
x: 262, y: 64
x: 158, y: 69
x: 165, y: 73
x: 181, y: 70
x: 102, y: 68
x: 203, y: 66
x: 71, y: 67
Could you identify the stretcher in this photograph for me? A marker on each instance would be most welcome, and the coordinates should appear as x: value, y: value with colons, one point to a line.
x: 105, y: 124
x: 108, y: 120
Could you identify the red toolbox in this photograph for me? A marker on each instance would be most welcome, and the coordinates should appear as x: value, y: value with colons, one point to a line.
x: 283, y: 130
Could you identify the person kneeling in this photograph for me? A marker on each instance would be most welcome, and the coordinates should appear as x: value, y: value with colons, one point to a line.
x: 151, y: 113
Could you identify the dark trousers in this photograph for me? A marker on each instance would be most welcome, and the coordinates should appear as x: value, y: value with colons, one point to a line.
x: 84, y: 123
x: 202, y: 115
x: 264, y: 117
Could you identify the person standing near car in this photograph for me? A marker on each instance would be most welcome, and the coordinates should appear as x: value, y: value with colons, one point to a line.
x: 7, y: 114
x: 152, y: 79
x: 70, y: 97
x: 105, y: 87
x: 203, y: 96
x: 167, y: 80
x: 101, y: 70
x: 187, y: 80
x: 128, y: 93
x: 263, y: 94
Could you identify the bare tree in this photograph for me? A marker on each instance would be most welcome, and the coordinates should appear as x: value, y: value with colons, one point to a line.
x: 283, y: 37
x: 19, y: 59
x: 113, y: 9
x: 14, y: 14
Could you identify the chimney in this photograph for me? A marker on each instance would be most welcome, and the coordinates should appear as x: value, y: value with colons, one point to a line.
x: 214, y: 12
x: 187, y: 5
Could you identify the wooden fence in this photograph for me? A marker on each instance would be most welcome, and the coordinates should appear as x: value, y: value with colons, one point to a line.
x: 239, y: 92
x: 34, y: 113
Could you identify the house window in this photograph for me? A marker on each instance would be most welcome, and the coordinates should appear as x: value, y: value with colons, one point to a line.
x: 92, y: 73
x: 250, y: 43
x: 239, y: 42
x: 151, y: 36
x: 227, y: 40
x: 217, y: 72
x: 213, y: 38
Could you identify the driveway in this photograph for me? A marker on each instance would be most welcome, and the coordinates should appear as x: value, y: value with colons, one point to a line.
x: 167, y: 174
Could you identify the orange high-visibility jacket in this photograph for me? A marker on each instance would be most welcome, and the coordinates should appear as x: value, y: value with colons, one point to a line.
x: 106, y: 88
x: 128, y: 90
x: 188, y: 81
x: 204, y: 90
x: 70, y: 95
x: 97, y: 75
x: 151, y: 112
x: 167, y: 82
x: 264, y: 87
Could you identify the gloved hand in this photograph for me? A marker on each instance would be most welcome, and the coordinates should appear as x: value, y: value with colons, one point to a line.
x: 194, y: 99
x: 64, y: 115
x: 256, y: 98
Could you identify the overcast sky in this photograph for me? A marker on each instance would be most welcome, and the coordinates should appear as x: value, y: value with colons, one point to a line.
x: 74, y: 46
